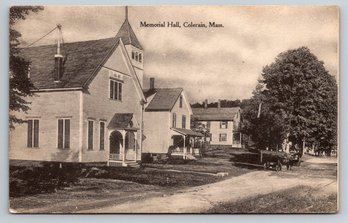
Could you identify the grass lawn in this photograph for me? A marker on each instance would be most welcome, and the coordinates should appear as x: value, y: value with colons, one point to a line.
x: 299, y: 199
x: 48, y: 178
x: 156, y: 177
x: 87, y: 193
x: 204, y: 165
x: 218, y: 160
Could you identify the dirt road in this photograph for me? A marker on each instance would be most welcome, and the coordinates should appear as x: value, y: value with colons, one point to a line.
x: 199, y: 199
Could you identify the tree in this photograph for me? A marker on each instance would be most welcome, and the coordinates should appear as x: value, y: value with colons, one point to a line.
x: 299, y: 102
x: 20, y: 84
x: 224, y: 104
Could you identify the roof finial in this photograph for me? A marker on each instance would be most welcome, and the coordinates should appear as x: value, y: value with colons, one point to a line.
x: 126, y: 12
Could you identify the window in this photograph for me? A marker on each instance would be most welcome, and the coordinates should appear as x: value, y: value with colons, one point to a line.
x: 223, y: 137
x: 184, y: 121
x: 223, y: 125
x: 174, y: 120
x: 140, y: 57
x: 90, y: 135
x: 63, y: 133
x: 180, y: 102
x: 115, y: 90
x: 101, y: 135
x: 33, y: 133
x: 236, y: 138
x: 136, y: 56
x: 133, y: 55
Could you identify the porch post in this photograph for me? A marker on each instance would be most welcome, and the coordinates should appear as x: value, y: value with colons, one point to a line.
x: 240, y: 139
x: 123, y: 146
x: 135, y: 145
x: 184, y: 149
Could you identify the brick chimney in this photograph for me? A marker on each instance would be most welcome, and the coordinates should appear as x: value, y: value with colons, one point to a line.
x: 206, y: 103
x: 152, y: 83
x: 58, y: 58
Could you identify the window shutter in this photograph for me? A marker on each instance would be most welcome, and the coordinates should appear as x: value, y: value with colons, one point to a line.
x: 67, y: 134
x: 102, y: 130
x: 30, y: 133
x: 174, y: 120
x: 120, y: 92
x: 60, y: 133
x: 111, y: 89
x: 36, y: 133
x: 90, y: 135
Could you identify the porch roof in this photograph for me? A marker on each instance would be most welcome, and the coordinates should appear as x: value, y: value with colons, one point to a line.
x: 122, y: 121
x: 187, y: 132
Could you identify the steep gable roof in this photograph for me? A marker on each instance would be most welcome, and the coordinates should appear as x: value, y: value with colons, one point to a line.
x: 128, y: 36
x: 215, y: 114
x: 164, y: 99
x: 82, y: 60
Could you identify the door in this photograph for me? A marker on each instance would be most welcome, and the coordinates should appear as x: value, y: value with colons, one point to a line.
x: 115, y: 145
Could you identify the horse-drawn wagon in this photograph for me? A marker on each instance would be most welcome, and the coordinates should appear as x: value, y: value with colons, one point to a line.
x: 267, y: 159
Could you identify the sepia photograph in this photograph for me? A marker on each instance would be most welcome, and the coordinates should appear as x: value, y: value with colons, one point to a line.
x: 200, y: 109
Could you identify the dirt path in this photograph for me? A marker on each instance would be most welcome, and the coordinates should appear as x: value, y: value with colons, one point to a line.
x: 202, y: 198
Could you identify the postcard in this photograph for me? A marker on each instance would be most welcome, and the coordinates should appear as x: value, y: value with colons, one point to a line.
x: 174, y: 109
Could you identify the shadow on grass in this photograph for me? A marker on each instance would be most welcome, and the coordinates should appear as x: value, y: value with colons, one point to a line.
x: 300, y: 199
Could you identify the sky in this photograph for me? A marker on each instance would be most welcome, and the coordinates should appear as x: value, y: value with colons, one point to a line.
x: 209, y: 63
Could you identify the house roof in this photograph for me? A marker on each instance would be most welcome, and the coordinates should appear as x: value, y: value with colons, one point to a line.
x: 215, y: 114
x: 128, y: 36
x: 121, y: 121
x: 82, y: 60
x: 187, y: 132
x: 164, y: 99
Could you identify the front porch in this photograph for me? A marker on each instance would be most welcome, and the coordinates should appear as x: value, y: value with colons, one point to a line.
x: 186, y: 144
x: 123, y: 141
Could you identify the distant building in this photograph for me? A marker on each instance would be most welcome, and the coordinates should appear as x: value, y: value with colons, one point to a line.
x: 222, y: 125
x: 167, y: 119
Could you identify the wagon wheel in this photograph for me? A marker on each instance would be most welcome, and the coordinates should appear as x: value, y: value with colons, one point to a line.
x: 278, y: 166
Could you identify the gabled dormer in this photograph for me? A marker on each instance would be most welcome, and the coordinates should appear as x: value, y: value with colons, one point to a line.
x: 134, y: 49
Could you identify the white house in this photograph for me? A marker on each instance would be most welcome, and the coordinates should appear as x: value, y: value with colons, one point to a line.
x: 223, y: 125
x: 167, y: 120
x: 88, y: 104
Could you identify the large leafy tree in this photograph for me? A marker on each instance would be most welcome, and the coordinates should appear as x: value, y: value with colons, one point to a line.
x: 299, y: 102
x: 20, y: 84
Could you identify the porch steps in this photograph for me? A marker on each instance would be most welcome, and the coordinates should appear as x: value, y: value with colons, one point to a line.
x: 132, y: 164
